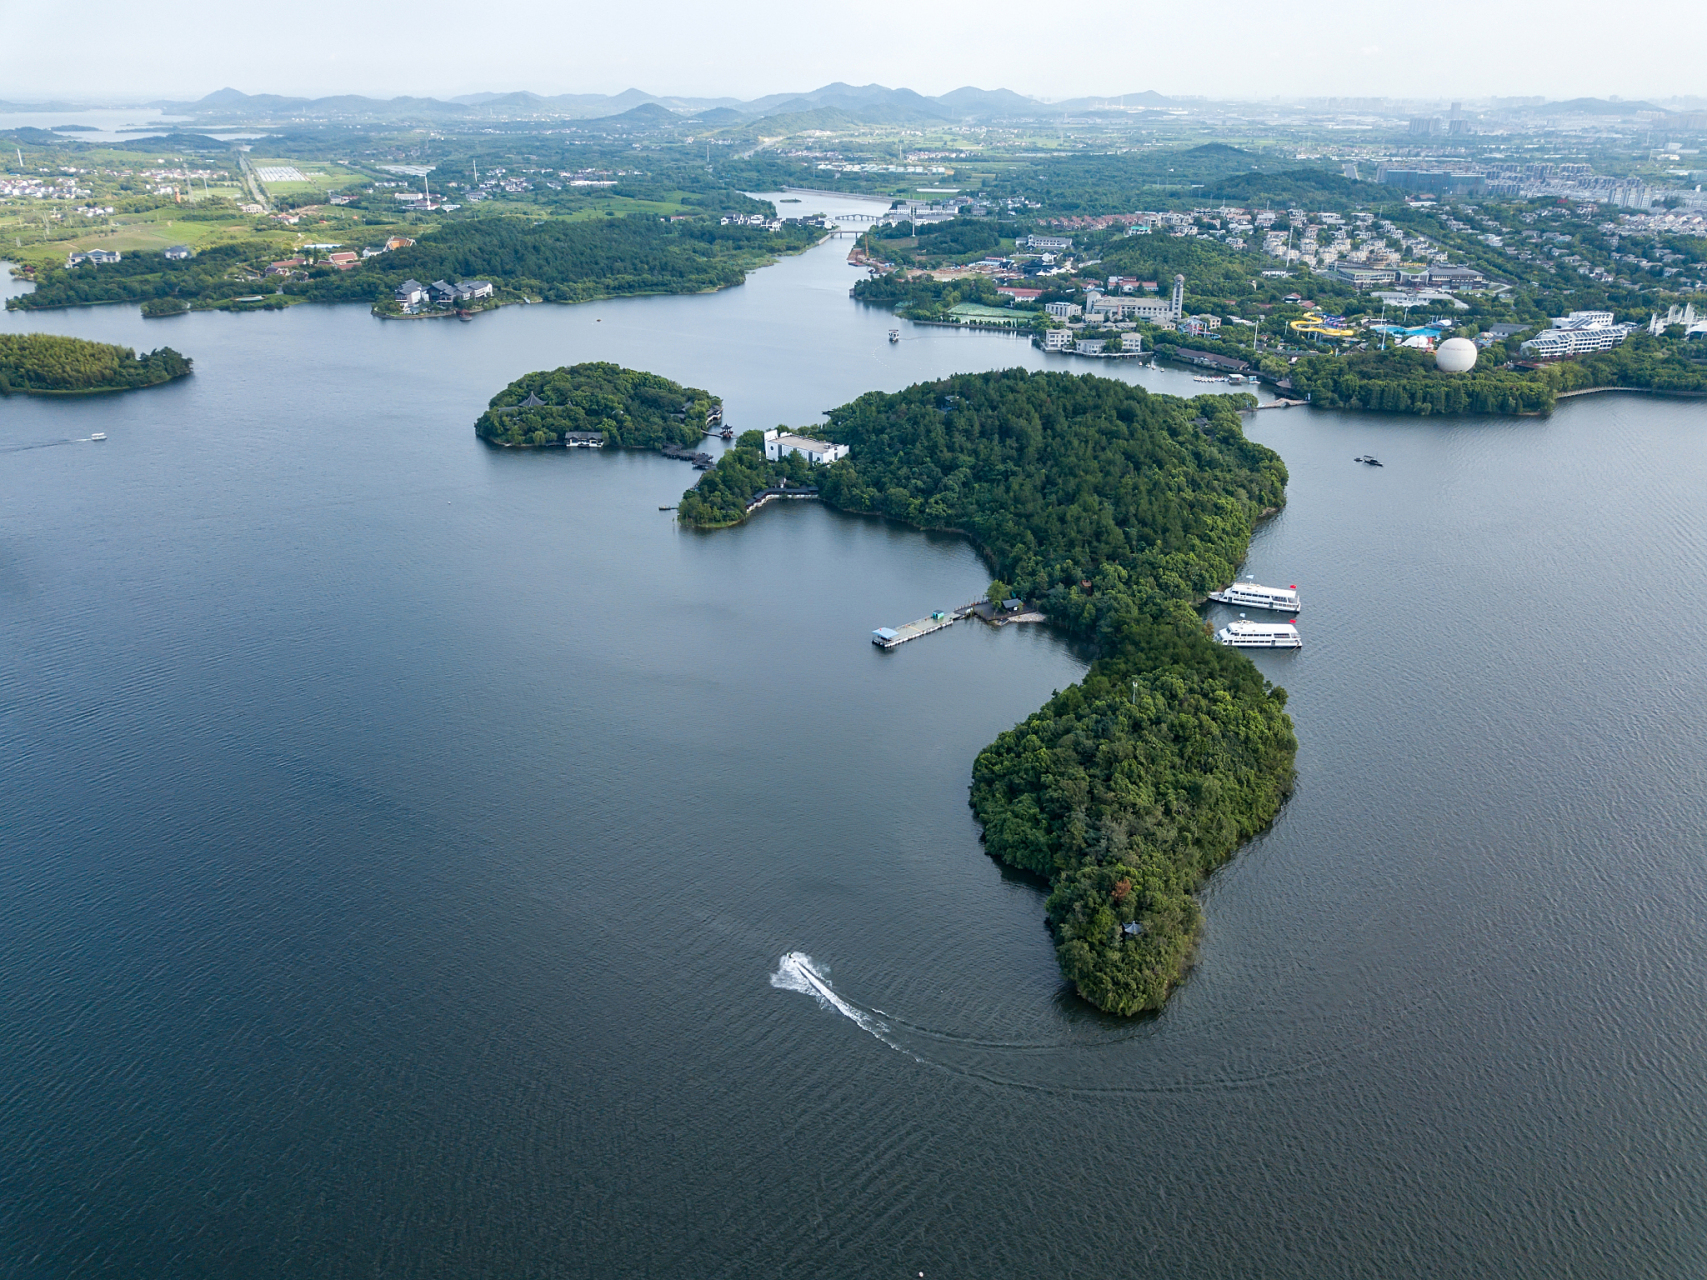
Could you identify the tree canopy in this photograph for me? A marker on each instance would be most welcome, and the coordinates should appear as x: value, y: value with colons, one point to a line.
x: 1115, y: 510
x: 564, y: 261
x: 47, y: 364
x: 627, y: 407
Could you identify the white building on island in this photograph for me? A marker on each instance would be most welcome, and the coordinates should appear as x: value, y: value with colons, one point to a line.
x: 779, y: 444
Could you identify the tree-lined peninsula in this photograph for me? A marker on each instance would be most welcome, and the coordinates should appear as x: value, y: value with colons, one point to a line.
x: 524, y: 258
x: 46, y: 364
x: 1116, y: 510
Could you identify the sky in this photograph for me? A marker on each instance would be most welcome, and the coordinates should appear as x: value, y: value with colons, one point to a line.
x: 118, y: 50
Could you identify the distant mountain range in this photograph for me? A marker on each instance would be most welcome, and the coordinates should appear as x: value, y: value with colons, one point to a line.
x: 833, y: 105
x: 871, y: 103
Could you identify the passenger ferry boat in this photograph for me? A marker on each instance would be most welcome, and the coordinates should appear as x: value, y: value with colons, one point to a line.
x: 1252, y: 595
x: 1260, y: 635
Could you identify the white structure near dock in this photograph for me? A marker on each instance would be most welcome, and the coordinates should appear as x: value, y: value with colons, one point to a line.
x: 779, y: 444
x: 889, y: 637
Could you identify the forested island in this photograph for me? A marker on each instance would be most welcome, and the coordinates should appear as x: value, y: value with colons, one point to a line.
x: 45, y: 364
x: 625, y: 407
x: 1115, y: 510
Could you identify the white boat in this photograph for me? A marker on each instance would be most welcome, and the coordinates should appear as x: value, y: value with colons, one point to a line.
x: 1260, y: 635
x: 99, y: 435
x: 1253, y: 595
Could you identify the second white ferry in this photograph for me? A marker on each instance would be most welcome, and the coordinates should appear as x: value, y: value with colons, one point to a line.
x: 1253, y: 595
x: 1260, y: 635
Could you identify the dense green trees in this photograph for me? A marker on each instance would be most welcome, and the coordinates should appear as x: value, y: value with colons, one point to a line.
x: 922, y: 296
x: 47, y: 364
x: 631, y: 409
x: 562, y: 261
x: 1115, y: 510
x: 557, y: 260
x: 213, y: 275
x: 1403, y: 380
x: 1406, y: 381
x: 1659, y: 364
x: 722, y: 495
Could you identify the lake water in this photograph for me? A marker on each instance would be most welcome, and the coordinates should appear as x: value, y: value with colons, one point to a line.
x: 399, y: 839
x: 94, y: 124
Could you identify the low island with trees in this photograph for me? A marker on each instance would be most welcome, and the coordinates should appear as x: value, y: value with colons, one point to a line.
x: 1116, y: 511
x: 45, y: 364
x: 625, y: 408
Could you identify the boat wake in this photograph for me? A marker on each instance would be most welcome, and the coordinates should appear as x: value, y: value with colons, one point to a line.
x: 1059, y: 1066
x: 796, y: 972
x: 44, y: 444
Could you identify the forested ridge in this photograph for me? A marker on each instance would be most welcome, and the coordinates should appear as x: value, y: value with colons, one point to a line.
x: 47, y: 364
x: 1116, y: 510
x: 629, y: 408
x: 554, y: 260
x: 563, y: 261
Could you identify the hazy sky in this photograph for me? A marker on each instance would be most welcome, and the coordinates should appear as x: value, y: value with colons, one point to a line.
x: 111, y: 49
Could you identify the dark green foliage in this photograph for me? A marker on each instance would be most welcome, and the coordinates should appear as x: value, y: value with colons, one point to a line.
x: 632, y: 409
x: 209, y: 277
x: 1115, y: 510
x: 922, y: 296
x: 563, y: 261
x: 1402, y: 380
x: 1659, y: 364
x: 722, y: 495
x: 1165, y: 176
x: 961, y: 236
x: 46, y: 364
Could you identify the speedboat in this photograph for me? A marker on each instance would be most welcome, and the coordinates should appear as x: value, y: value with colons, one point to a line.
x: 99, y: 435
x: 1367, y: 460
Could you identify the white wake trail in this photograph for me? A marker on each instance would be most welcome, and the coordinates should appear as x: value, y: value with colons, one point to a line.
x: 796, y: 972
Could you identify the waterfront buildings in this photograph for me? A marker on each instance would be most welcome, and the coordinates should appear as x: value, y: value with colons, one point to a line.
x: 1579, y: 333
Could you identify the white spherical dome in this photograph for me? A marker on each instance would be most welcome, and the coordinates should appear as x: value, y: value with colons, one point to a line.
x: 1455, y: 355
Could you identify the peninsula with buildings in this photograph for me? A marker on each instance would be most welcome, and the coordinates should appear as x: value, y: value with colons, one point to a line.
x: 1101, y: 792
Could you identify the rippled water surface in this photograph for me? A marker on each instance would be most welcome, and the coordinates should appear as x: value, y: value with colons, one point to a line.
x: 420, y: 859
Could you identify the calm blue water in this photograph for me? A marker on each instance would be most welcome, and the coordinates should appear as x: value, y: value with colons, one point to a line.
x: 398, y: 840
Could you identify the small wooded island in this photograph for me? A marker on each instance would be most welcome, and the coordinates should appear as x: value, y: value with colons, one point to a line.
x: 1116, y: 510
x: 45, y: 364
x: 622, y: 407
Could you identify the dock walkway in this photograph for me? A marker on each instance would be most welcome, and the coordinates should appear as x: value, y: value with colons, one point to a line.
x: 890, y: 637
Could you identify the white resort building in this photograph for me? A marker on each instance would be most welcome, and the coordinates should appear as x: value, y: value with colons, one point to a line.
x: 779, y: 444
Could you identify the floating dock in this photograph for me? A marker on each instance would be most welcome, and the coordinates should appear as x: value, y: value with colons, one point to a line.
x: 889, y: 637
